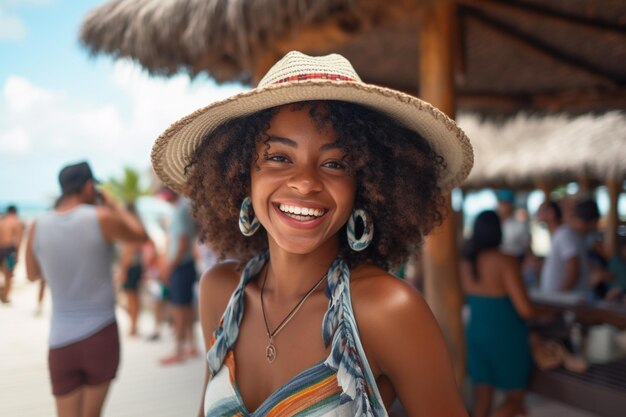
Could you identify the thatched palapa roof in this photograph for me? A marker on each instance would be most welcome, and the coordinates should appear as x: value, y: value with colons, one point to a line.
x: 545, y: 55
x: 526, y: 150
x: 223, y: 38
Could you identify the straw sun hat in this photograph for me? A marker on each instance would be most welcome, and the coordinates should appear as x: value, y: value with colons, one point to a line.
x: 298, y: 77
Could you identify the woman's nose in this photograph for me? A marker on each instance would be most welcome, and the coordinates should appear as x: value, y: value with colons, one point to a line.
x: 305, y: 180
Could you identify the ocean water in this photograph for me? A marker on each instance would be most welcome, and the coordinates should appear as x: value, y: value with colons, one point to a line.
x: 153, y: 212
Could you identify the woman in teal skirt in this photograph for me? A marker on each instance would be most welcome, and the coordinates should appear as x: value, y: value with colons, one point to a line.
x: 498, y: 351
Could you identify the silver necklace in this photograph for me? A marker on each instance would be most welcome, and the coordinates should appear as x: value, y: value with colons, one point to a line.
x: 270, y: 350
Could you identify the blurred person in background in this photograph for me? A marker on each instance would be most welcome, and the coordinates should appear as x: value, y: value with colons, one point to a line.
x: 617, y: 269
x: 550, y: 217
x: 72, y: 249
x: 498, y: 349
x: 11, y: 231
x: 156, y: 288
x: 566, y: 268
x: 130, y: 271
x: 549, y: 214
x: 178, y: 271
x: 515, y: 232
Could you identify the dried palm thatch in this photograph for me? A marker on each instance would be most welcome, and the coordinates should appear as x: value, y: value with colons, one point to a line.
x: 546, y: 55
x: 527, y: 149
x: 219, y: 36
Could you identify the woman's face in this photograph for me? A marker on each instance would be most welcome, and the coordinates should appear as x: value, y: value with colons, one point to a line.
x: 302, y: 189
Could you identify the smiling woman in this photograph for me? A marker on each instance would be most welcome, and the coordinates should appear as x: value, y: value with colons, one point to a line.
x: 332, y: 182
x: 383, y: 158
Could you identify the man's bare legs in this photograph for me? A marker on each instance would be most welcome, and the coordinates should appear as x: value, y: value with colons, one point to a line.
x: 159, y: 310
x: 133, y: 306
x: 179, y: 322
x: 183, y: 318
x: 192, y: 350
x: 8, y: 282
x: 86, y: 401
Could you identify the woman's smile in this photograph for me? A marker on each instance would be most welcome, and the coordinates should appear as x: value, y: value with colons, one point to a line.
x: 301, y: 213
x: 301, y: 187
x: 301, y: 216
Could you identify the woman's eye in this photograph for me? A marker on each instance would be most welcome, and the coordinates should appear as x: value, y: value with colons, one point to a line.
x: 276, y: 158
x: 335, y: 165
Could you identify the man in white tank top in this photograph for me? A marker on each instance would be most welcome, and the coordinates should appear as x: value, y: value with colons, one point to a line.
x: 71, y: 248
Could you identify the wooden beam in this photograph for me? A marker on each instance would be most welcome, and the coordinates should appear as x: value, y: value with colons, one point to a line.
x: 442, y: 286
x: 610, y: 98
x: 504, y: 103
x: 613, y: 188
x: 552, y: 102
x: 550, y: 17
x: 535, y: 44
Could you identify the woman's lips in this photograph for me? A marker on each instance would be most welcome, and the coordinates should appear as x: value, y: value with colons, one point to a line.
x: 296, y: 218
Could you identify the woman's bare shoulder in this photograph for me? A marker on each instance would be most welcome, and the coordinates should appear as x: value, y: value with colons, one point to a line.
x: 388, y: 311
x: 378, y: 297
x: 217, y: 285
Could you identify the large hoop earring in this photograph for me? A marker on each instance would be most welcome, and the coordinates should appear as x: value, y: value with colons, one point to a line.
x: 368, y: 230
x: 247, y: 227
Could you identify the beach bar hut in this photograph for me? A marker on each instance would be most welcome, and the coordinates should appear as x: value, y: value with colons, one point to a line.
x: 528, y: 152
x: 486, y: 56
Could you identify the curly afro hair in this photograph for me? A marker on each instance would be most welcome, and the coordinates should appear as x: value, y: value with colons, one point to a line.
x: 396, y: 173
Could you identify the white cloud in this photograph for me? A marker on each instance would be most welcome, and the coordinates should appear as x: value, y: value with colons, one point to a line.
x: 15, y: 141
x: 44, y: 126
x: 11, y: 27
x: 55, y: 122
x: 155, y: 103
x: 21, y: 96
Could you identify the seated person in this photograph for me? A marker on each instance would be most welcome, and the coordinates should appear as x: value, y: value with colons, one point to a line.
x: 617, y: 269
x: 566, y: 268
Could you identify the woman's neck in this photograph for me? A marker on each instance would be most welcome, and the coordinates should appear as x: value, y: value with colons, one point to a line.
x: 291, y: 275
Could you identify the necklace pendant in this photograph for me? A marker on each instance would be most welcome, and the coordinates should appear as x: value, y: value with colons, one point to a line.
x: 270, y: 352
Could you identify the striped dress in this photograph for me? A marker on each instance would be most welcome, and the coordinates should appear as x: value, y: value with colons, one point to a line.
x: 340, y: 386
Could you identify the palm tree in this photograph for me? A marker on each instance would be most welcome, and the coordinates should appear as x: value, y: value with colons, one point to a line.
x: 128, y: 188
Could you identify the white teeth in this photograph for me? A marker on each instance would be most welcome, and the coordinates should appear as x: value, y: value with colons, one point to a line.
x: 304, y: 211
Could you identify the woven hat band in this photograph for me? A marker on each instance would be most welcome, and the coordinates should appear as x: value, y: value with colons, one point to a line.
x: 314, y: 76
x: 296, y: 66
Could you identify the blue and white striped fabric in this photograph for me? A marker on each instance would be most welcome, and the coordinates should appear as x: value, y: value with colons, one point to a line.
x: 341, y: 386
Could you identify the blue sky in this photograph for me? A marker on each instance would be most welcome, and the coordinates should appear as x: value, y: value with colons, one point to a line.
x: 59, y: 105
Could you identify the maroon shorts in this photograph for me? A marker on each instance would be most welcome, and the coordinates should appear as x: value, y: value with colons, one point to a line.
x: 90, y: 361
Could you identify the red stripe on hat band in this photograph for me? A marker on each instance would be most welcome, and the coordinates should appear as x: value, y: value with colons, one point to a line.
x: 314, y: 76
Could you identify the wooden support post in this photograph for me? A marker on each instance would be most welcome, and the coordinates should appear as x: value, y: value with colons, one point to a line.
x: 544, y: 187
x: 441, y: 275
x: 613, y: 188
x: 584, y: 186
x: 262, y: 64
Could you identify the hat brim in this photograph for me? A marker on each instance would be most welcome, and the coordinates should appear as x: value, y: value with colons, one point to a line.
x: 173, y: 149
